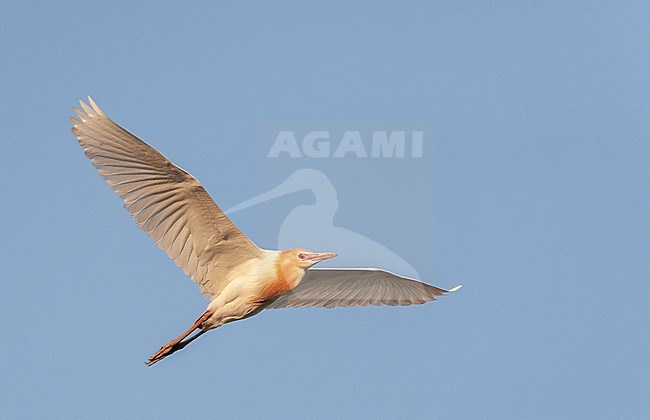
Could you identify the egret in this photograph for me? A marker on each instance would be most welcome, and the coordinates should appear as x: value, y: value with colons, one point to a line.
x: 238, y: 277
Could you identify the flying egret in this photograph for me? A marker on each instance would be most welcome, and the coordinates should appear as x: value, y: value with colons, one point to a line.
x: 240, y: 279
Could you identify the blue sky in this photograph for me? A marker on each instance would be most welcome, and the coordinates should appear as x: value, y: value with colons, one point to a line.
x: 532, y: 191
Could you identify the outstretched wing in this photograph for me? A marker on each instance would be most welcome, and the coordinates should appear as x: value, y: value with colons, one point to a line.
x: 169, y: 204
x: 330, y: 287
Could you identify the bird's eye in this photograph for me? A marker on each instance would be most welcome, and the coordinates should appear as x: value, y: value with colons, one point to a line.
x: 301, y: 256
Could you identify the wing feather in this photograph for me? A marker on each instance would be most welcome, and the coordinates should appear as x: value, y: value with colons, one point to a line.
x: 330, y: 287
x: 169, y: 204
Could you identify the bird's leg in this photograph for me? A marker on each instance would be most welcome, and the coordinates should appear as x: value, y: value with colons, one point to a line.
x: 184, y: 343
x: 177, y: 343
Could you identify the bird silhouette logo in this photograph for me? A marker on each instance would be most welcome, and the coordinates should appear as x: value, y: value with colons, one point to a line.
x: 312, y: 225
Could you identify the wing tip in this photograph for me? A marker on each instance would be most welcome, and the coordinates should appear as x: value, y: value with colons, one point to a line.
x: 95, y: 106
x: 455, y: 289
x: 89, y: 111
x: 86, y: 108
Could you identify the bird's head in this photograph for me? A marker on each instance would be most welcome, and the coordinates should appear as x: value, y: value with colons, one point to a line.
x: 305, y: 258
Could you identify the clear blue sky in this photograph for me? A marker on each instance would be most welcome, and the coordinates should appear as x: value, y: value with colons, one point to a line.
x: 532, y: 191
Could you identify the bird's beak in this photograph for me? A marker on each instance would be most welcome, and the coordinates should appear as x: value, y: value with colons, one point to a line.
x: 320, y: 256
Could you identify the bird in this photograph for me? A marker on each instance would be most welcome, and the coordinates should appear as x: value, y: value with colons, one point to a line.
x: 239, y: 278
